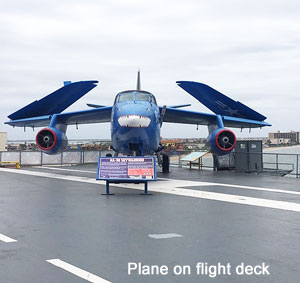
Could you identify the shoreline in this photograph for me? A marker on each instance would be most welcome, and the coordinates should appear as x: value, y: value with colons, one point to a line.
x: 280, y: 147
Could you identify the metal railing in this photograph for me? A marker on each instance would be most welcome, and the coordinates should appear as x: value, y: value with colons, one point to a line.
x: 283, y: 164
x: 272, y: 163
x: 40, y: 158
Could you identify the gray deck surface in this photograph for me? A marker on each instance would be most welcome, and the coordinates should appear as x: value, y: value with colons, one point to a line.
x: 53, y: 218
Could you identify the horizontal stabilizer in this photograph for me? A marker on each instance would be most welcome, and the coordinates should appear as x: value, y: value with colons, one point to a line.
x: 55, y: 102
x: 219, y: 103
x: 95, y: 105
x: 179, y: 106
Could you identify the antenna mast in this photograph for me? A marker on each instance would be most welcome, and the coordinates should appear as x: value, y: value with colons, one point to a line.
x: 138, y: 85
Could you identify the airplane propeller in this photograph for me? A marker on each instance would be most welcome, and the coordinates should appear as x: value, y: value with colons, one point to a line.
x: 225, y: 140
x: 46, y: 139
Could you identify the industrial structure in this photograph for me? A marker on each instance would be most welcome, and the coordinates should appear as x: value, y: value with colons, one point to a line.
x: 291, y: 137
x: 3, y: 141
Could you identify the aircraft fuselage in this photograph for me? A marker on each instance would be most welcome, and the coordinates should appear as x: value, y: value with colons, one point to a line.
x: 135, y: 123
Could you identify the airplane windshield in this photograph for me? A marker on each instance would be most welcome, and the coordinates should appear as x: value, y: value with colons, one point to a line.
x: 135, y: 96
x: 127, y: 96
x: 142, y: 96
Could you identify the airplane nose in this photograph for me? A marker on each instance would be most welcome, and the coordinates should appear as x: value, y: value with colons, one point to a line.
x: 134, y: 121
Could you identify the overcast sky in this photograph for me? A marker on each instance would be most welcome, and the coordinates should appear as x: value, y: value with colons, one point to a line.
x: 249, y: 50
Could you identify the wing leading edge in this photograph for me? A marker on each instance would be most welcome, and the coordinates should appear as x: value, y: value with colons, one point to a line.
x: 198, y: 118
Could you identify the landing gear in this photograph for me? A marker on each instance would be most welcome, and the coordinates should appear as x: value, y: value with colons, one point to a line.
x: 115, y: 154
x: 136, y: 148
x: 165, y: 163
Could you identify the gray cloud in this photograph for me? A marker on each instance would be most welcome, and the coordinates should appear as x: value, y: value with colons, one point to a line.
x: 248, y: 50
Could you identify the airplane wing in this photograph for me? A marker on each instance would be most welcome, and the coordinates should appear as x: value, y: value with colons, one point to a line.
x: 173, y: 115
x: 56, y: 102
x: 234, y: 114
x: 219, y: 103
x: 103, y: 114
x: 39, y: 113
x: 97, y: 115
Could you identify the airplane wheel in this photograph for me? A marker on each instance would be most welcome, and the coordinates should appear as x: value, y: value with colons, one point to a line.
x: 165, y: 163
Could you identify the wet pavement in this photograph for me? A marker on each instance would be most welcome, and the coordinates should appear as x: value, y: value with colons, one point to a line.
x: 219, y: 219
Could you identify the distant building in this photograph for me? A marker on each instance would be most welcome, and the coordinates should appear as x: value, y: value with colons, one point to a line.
x: 284, y: 137
x: 3, y: 141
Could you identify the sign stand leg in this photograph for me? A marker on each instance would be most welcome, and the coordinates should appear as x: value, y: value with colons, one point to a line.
x: 107, y: 190
x: 146, y: 190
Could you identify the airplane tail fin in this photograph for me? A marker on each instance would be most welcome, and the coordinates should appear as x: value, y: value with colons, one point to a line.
x: 219, y: 103
x: 55, y: 102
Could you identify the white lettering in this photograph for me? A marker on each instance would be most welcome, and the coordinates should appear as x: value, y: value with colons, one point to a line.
x: 143, y: 269
x: 131, y: 266
x: 263, y: 269
x: 182, y: 270
x: 202, y: 268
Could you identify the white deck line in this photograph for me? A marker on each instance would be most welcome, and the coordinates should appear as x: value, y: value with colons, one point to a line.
x: 171, y: 186
x: 186, y: 183
x: 77, y: 271
x: 64, y: 169
x: 164, y: 236
x: 6, y: 239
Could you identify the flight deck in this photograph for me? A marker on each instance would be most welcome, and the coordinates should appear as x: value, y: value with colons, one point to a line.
x: 197, y: 226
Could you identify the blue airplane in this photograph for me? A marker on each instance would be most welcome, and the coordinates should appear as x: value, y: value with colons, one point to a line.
x: 135, y: 118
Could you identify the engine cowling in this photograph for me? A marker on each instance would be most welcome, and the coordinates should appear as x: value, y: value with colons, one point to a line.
x: 51, y: 140
x: 221, y: 141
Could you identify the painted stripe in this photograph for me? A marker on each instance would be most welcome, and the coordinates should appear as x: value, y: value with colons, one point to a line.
x: 171, y: 186
x: 187, y: 183
x: 164, y: 236
x: 238, y: 199
x: 53, y: 176
x: 77, y: 271
x: 6, y: 239
x: 64, y: 169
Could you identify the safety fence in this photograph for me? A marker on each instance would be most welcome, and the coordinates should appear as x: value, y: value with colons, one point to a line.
x: 40, y: 158
x: 283, y: 164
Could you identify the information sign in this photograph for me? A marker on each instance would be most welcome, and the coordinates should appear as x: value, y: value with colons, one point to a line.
x: 127, y: 168
x: 194, y: 156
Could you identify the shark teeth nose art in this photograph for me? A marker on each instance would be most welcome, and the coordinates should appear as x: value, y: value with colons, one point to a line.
x: 134, y: 121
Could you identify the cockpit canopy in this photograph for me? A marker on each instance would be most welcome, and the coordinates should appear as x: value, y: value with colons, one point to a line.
x: 134, y: 95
